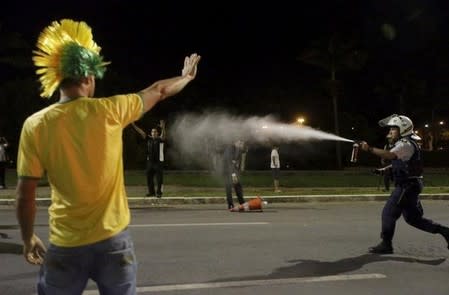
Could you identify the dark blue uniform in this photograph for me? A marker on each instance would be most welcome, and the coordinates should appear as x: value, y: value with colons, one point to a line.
x: 404, y: 200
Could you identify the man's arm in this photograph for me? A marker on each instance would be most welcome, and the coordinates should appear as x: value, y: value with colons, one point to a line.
x: 140, y: 131
x: 236, y: 160
x: 162, y: 89
x: 163, y: 131
x: 33, y: 248
x: 4, y: 142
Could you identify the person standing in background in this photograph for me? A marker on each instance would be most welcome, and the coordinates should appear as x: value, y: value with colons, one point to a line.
x: 232, y: 161
x: 155, y: 158
x: 3, y: 161
x: 275, y: 165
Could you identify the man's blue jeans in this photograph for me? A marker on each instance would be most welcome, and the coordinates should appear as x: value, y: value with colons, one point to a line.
x: 110, y: 263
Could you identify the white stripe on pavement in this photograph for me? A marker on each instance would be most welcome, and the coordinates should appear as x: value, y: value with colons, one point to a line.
x: 162, y: 288
x: 198, y: 224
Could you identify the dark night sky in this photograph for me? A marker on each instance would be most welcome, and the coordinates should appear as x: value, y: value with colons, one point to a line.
x: 249, y: 50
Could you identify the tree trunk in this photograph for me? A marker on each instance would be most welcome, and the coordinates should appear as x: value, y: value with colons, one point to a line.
x: 337, y: 132
x: 334, y: 93
x: 401, y: 104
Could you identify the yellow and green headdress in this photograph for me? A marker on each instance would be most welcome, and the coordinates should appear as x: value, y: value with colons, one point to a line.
x: 66, y: 49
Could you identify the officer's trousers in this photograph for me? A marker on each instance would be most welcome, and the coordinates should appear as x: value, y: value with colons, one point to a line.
x: 405, y: 201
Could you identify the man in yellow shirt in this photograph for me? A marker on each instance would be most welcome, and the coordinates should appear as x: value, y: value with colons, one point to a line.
x: 77, y: 142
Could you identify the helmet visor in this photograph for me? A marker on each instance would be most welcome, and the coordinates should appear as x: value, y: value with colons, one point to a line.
x: 384, y: 121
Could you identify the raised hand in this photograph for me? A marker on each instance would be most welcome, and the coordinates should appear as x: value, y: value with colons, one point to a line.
x: 190, y: 66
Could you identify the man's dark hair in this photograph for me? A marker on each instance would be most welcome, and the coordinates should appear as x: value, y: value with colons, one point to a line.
x: 69, y: 82
x: 157, y: 128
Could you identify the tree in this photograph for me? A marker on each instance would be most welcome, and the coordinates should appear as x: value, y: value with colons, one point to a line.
x: 334, y: 54
x: 14, y: 50
x: 406, y: 86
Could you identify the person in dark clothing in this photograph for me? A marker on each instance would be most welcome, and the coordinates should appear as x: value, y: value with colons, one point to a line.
x: 232, y: 159
x: 155, y: 158
x: 407, y: 170
x: 3, y: 161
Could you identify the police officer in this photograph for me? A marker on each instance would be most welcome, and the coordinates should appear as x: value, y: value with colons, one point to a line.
x: 407, y: 168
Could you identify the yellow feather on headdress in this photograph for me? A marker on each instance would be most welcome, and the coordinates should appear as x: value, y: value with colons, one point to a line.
x: 66, y: 49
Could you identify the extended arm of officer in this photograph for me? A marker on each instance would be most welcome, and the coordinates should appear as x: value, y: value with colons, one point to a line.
x: 384, y: 154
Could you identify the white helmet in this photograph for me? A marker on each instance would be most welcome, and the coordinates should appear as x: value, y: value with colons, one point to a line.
x: 404, y: 124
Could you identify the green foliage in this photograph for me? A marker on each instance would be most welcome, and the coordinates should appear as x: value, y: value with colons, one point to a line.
x: 334, y: 54
x: 206, y: 184
x: 289, y: 179
x: 15, y: 51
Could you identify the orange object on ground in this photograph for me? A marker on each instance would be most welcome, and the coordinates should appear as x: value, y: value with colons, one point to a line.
x: 255, y: 204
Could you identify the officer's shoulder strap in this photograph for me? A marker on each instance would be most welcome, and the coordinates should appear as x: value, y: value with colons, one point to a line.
x: 415, y: 146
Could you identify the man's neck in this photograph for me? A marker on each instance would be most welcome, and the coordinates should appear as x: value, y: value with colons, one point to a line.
x: 72, y: 93
x: 65, y: 99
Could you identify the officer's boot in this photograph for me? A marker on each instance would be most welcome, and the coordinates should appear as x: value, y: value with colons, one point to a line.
x: 444, y: 231
x: 384, y: 247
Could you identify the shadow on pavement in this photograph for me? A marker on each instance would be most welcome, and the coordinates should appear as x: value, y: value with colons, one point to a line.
x: 308, y: 267
x: 10, y: 248
x: 316, y: 268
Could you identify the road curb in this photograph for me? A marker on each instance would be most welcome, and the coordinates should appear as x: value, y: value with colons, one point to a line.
x: 146, y: 201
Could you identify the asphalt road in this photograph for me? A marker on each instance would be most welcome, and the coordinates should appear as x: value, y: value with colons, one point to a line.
x: 302, y: 248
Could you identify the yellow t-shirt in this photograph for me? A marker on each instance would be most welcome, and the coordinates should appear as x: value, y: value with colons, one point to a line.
x: 79, y: 145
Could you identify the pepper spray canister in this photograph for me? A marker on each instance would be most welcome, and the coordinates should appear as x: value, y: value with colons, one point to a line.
x: 355, y: 152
